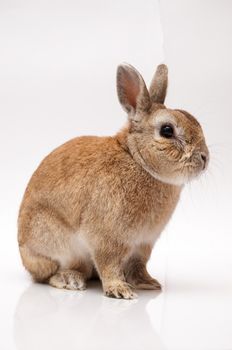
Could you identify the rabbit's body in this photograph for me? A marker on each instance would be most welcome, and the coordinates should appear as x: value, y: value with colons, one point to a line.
x: 96, y: 205
x: 68, y: 196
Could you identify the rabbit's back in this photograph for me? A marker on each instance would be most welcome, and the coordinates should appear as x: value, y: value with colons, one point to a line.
x: 94, y: 182
x: 77, y: 171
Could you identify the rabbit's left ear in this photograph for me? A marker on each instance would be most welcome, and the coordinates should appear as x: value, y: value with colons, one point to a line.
x: 132, y: 91
x: 159, y: 84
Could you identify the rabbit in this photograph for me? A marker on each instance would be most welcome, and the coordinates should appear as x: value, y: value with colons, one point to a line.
x: 95, y: 206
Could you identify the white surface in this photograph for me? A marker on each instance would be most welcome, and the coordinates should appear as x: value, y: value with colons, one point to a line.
x: 57, y: 80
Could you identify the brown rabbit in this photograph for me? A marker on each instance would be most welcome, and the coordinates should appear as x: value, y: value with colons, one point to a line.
x: 96, y: 205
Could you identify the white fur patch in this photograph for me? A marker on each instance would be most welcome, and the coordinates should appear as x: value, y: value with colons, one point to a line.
x: 144, y: 236
x: 76, y: 249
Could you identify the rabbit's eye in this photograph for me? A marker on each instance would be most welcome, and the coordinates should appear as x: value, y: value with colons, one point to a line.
x: 167, y: 131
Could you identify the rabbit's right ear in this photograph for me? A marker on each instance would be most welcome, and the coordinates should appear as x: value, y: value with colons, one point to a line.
x: 159, y: 84
x: 132, y: 91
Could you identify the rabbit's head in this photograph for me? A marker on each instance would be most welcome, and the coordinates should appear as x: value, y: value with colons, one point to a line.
x: 168, y: 143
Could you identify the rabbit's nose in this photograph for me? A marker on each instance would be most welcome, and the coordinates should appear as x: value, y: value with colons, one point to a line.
x: 204, y: 158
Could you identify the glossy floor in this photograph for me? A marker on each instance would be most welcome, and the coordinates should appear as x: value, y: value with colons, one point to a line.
x: 185, y: 316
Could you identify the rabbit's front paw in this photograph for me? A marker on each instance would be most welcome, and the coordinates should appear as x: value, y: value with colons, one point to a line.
x: 147, y: 284
x: 119, y: 289
x: 138, y: 277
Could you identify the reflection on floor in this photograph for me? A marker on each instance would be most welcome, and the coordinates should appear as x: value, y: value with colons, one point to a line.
x: 85, y: 320
x: 48, y: 318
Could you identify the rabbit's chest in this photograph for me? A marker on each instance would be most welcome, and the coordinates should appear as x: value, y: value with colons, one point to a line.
x: 154, y: 213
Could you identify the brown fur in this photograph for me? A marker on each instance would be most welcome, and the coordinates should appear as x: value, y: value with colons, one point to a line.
x: 93, y: 204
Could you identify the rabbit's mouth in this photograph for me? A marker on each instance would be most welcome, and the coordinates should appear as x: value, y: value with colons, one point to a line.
x: 195, y: 166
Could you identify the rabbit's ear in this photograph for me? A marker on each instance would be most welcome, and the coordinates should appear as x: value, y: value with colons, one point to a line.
x: 132, y: 91
x: 159, y: 84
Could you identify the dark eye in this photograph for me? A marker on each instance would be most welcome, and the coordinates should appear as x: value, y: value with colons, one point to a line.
x: 167, y: 131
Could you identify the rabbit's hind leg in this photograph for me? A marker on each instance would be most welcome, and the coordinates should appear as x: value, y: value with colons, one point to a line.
x: 45, y: 270
x: 40, y: 267
x: 75, y: 264
x: 68, y: 279
x: 51, y: 251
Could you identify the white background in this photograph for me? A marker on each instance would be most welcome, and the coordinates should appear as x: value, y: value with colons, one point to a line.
x: 57, y: 80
